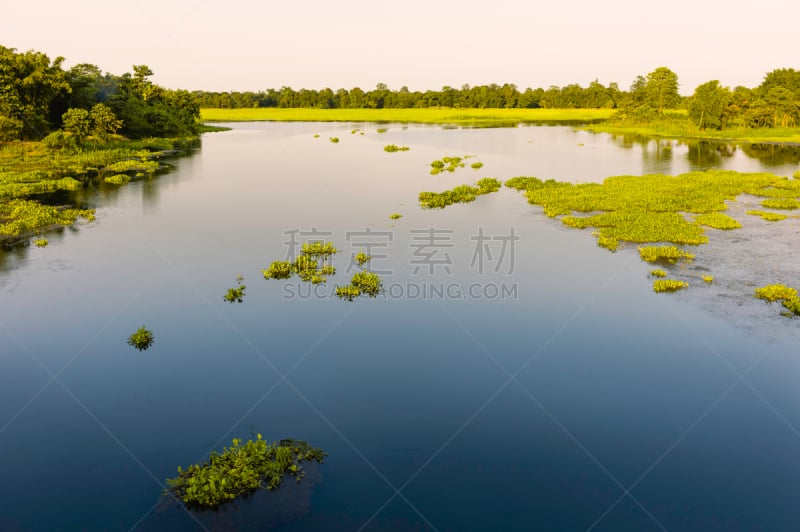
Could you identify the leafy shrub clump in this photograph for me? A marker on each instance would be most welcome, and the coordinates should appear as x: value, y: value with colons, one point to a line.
x: 391, y: 148
x: 668, y: 285
x: 460, y: 194
x: 235, y: 295
x: 141, y: 339
x: 240, y: 469
x: 769, y: 216
x: 670, y: 254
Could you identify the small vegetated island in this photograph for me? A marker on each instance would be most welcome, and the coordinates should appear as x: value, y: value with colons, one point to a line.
x: 241, y: 469
x: 661, y: 209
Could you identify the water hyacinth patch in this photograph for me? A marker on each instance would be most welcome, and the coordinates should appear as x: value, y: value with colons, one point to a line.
x: 141, y: 339
x: 785, y: 294
x: 460, y: 194
x: 668, y: 285
x: 391, y: 148
x: 768, y: 216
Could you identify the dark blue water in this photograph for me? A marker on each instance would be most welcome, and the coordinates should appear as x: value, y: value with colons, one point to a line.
x: 551, y: 390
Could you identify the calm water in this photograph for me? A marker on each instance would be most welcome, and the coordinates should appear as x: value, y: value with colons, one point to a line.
x: 536, y: 386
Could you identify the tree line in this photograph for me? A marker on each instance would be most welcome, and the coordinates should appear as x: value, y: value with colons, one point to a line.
x: 38, y: 97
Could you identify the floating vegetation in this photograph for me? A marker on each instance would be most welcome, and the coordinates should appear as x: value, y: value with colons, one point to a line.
x: 670, y: 254
x: 235, y: 295
x: 40, y: 242
x: 446, y: 164
x: 708, y: 278
x: 362, y: 283
x: 652, y: 208
x: 141, y: 339
x: 316, y: 135
x: 391, y: 148
x: 334, y: 139
x: 362, y: 258
x: 781, y: 203
x: 353, y: 132
x: 19, y: 217
x: 718, y: 220
x: 796, y: 175
x: 118, y: 179
x: 395, y: 216
x: 137, y: 167
x: 311, y: 265
x: 382, y: 130
x: 775, y: 292
x: 785, y: 294
x: 460, y: 194
x: 658, y: 273
x: 668, y: 285
x: 769, y: 216
x: 476, y: 165
x: 241, y: 469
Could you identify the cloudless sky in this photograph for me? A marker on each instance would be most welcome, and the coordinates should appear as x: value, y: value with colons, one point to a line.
x: 424, y: 44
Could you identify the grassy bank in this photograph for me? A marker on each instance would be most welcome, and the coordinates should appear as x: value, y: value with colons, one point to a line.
x: 31, y: 175
x: 683, y: 129
x: 462, y: 117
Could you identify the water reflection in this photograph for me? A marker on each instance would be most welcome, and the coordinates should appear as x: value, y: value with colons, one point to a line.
x: 707, y: 153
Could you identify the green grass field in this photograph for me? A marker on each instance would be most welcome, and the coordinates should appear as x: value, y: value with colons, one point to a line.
x: 465, y: 117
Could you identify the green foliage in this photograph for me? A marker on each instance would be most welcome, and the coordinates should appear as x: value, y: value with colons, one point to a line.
x: 362, y: 258
x: 446, y: 164
x: 670, y: 254
x: 235, y: 295
x: 391, y: 148
x: 40, y: 242
x: 240, y: 469
x: 20, y: 217
x: 104, y: 122
x: 280, y: 269
x: 768, y: 216
x: 460, y: 194
x: 651, y: 208
x: 77, y: 123
x: 668, y: 285
x: 311, y: 265
x: 781, y: 203
x: 141, y: 339
x: 717, y: 220
x: 395, y: 216
x: 775, y: 292
x: 785, y: 294
x: 118, y: 179
x: 362, y: 283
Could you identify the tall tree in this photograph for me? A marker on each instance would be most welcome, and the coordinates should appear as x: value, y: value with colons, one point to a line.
x: 662, y: 89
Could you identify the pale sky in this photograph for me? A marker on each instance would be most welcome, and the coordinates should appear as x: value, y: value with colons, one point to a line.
x: 424, y: 44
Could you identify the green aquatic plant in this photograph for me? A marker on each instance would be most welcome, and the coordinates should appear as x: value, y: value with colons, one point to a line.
x: 670, y: 254
x: 381, y: 130
x: 781, y: 203
x: 362, y: 283
x: 658, y: 273
x: 391, y: 148
x: 316, y: 135
x: 652, y: 208
x: 796, y: 175
x: 319, y: 249
x: 779, y: 292
x: 235, y: 295
x: 334, y: 139
x: 775, y: 292
x: 241, y: 469
x: 141, y: 339
x: 40, y: 242
x: 134, y: 166
x: 446, y: 164
x: 459, y: 194
x: 792, y: 306
x: 708, y: 278
x: 476, y: 165
x: 395, y: 216
x: 362, y: 258
x: 21, y: 217
x: 118, y: 179
x: 280, y: 269
x: 768, y: 216
x: 668, y: 285
x: 717, y: 220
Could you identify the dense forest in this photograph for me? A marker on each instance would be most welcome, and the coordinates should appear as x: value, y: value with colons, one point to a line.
x: 774, y: 103
x: 39, y: 97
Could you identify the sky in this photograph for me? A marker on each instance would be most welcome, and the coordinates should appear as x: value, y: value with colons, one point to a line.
x: 422, y: 44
